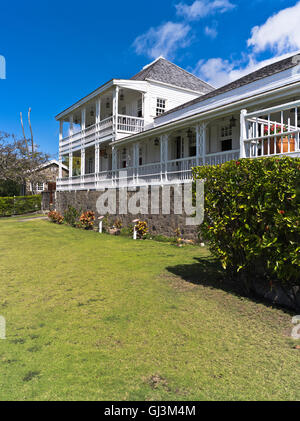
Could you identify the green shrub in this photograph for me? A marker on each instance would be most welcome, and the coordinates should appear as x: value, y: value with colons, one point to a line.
x: 252, y: 217
x: 71, y: 216
x: 19, y: 205
x: 141, y: 229
x: 118, y: 224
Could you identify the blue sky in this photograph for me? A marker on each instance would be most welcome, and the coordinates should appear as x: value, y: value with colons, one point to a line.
x: 58, y: 51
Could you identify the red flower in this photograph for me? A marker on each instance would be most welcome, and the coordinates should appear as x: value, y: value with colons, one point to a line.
x: 281, y: 212
x: 238, y: 163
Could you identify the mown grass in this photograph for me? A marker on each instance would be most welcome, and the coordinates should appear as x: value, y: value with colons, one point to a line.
x: 94, y: 317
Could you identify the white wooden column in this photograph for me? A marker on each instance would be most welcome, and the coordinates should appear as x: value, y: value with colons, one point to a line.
x: 83, y: 123
x: 61, y: 124
x: 147, y: 107
x: 203, y: 141
x: 162, y: 156
x: 164, y: 148
x: 60, y: 167
x: 116, y: 109
x: 71, y: 128
x: 114, y: 153
x: 98, y: 110
x: 97, y: 160
x: 243, y: 134
x: 70, y: 164
x: 136, y: 154
x: 198, y: 145
x: 82, y: 170
x: 166, y: 155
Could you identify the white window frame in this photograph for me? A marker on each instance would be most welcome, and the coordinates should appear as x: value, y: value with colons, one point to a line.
x: 38, y: 187
x: 161, y: 106
x: 226, y: 133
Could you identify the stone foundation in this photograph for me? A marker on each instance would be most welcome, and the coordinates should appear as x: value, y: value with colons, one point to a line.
x: 159, y: 224
x: 47, y: 204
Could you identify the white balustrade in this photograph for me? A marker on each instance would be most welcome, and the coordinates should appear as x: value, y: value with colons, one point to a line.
x: 172, y: 171
x: 273, y: 131
x: 130, y: 124
x: 221, y: 157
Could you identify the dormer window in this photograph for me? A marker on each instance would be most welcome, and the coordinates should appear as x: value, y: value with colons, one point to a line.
x: 160, y: 106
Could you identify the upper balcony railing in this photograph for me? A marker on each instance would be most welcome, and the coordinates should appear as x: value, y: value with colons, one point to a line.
x: 264, y: 136
x: 106, y: 127
x: 130, y: 124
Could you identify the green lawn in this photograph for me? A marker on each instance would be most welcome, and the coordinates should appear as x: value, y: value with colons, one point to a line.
x: 95, y: 317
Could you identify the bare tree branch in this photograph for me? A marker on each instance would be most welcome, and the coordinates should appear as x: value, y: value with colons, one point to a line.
x: 29, y: 121
x: 21, y: 117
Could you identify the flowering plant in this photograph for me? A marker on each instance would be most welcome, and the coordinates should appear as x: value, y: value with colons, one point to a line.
x: 55, y: 217
x: 142, y: 229
x: 87, y: 219
x: 274, y: 129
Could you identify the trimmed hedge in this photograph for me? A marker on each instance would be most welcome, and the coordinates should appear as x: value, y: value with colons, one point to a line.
x: 252, y: 218
x: 20, y: 204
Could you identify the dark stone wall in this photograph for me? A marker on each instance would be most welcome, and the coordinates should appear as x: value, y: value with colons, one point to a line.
x: 46, y: 205
x: 159, y: 224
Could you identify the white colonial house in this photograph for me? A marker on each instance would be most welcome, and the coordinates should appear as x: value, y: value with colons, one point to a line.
x: 154, y: 127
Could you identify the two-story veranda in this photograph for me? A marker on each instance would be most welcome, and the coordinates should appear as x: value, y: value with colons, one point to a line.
x: 215, y: 126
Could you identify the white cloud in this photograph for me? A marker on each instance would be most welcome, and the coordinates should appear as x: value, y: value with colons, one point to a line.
x: 202, y: 8
x: 219, y: 72
x: 163, y: 40
x: 280, y: 32
x: 211, y: 31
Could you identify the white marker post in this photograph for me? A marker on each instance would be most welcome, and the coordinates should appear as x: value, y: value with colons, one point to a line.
x: 134, y: 229
x: 101, y: 224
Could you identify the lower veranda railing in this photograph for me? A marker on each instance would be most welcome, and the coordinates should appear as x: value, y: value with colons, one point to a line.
x: 172, y: 171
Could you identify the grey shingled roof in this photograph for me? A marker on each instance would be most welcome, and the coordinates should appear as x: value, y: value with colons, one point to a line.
x: 164, y: 71
x: 271, y: 69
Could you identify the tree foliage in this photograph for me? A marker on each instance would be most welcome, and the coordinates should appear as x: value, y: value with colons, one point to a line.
x: 18, y: 163
x: 252, y: 217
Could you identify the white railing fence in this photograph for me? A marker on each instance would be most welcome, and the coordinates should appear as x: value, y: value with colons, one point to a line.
x: 155, y: 173
x: 222, y: 157
x: 180, y: 169
x: 273, y: 131
x: 130, y: 124
x: 127, y: 124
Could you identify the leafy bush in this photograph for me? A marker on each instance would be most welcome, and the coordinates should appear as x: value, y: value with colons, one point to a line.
x: 252, y: 217
x: 71, y: 216
x: 55, y: 217
x: 87, y: 219
x: 19, y: 205
x: 141, y: 229
x: 106, y: 223
x: 118, y: 224
x: 9, y: 188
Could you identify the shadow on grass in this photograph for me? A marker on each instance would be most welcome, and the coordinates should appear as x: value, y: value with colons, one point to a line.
x: 209, y: 273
